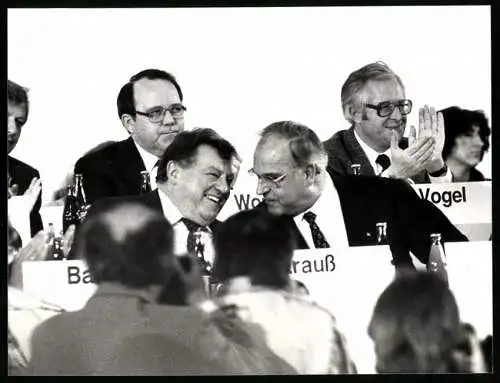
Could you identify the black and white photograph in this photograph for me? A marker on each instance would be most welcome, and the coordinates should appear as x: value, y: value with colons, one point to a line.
x: 249, y: 190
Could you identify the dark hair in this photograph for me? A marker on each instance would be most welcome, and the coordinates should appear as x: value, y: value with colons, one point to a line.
x: 254, y: 243
x: 18, y: 95
x: 184, y: 147
x: 303, y: 142
x: 125, y: 101
x: 143, y: 257
x: 458, y: 121
x: 416, y: 325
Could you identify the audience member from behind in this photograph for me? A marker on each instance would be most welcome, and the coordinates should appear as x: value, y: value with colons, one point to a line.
x: 467, y: 139
x: 416, y: 328
x: 150, y: 109
x: 23, y: 180
x: 123, y: 330
x: 374, y: 102
x: 253, y: 257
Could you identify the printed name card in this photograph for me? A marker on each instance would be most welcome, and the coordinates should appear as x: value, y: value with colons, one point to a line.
x: 67, y: 284
x: 464, y: 202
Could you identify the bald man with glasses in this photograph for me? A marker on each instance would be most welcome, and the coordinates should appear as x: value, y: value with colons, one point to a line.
x: 374, y: 102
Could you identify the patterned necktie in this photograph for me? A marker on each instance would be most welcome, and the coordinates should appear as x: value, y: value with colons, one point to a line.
x: 384, y: 161
x: 191, y: 239
x: 318, y: 237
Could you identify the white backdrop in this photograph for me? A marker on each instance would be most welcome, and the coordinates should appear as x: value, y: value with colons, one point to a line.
x: 240, y: 68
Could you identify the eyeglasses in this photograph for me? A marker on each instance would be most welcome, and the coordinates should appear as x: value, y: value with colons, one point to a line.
x: 274, y: 182
x: 386, y: 108
x: 156, y: 115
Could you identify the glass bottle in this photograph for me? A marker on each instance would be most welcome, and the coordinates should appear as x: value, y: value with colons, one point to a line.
x: 356, y: 169
x: 70, y: 213
x: 381, y: 233
x: 437, y: 259
x: 145, y: 182
x: 57, y: 249
x: 206, y: 267
x: 81, y: 200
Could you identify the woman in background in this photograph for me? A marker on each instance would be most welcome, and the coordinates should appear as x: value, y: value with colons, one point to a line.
x: 416, y: 328
x: 466, y: 140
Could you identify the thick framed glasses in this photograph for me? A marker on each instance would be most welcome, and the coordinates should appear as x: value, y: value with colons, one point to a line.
x: 274, y: 182
x: 386, y: 108
x: 156, y: 115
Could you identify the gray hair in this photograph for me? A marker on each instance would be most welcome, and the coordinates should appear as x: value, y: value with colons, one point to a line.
x: 304, y: 144
x: 355, y: 83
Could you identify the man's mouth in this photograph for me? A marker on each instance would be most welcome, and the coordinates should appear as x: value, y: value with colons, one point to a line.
x: 215, y: 199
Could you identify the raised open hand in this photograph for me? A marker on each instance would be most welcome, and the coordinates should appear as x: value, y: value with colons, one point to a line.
x: 431, y: 124
x: 412, y: 160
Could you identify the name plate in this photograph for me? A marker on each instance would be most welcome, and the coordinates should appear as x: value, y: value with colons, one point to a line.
x: 65, y: 283
x: 464, y: 202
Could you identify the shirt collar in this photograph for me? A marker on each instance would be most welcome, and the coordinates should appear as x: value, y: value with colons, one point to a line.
x: 170, y: 211
x: 370, y: 153
x: 328, y: 195
x: 148, y: 158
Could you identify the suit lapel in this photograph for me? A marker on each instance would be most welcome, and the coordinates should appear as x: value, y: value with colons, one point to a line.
x: 131, y: 166
x: 301, y: 242
x: 357, y: 154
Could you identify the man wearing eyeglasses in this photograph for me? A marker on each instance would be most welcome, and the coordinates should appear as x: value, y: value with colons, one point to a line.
x: 374, y: 102
x: 326, y: 209
x: 150, y: 108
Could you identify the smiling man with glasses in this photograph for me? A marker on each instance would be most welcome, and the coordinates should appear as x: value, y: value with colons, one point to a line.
x: 374, y: 102
x: 150, y: 108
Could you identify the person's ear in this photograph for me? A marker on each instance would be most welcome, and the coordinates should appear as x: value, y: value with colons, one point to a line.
x: 172, y: 171
x: 128, y: 123
x: 311, y: 173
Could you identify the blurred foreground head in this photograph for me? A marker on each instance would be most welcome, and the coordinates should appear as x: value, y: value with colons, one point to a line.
x: 253, y: 244
x: 127, y: 243
x: 416, y: 327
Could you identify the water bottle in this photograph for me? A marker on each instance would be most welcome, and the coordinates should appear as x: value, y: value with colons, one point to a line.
x: 70, y: 213
x: 437, y: 258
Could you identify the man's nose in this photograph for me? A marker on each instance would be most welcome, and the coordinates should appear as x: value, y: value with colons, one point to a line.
x: 12, y: 126
x: 396, y: 114
x: 222, y: 185
x: 168, y: 119
x: 262, y: 187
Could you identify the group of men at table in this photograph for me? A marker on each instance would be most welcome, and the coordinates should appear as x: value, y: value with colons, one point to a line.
x: 302, y: 180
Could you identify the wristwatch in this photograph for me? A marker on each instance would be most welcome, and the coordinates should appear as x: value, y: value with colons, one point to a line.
x: 440, y: 172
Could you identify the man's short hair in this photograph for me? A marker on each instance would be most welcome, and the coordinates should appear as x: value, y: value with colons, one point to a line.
x: 304, y: 144
x: 18, y: 95
x: 184, y: 147
x: 126, y: 102
x: 119, y: 248
x: 357, y: 80
x: 255, y: 244
x: 458, y: 121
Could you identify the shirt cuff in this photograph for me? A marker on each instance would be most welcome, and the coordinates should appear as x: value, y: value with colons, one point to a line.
x: 446, y: 177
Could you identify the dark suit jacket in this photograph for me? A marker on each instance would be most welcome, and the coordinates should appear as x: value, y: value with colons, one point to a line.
x: 151, y: 200
x: 344, y: 150
x: 111, y: 171
x: 22, y: 174
x: 100, y: 340
x: 410, y: 219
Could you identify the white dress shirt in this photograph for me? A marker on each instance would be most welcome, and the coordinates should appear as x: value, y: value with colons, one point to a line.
x: 150, y: 161
x: 329, y: 218
x: 372, y: 158
x: 181, y: 232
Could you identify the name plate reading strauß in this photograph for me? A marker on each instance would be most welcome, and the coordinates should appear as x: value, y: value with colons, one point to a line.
x: 64, y: 283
